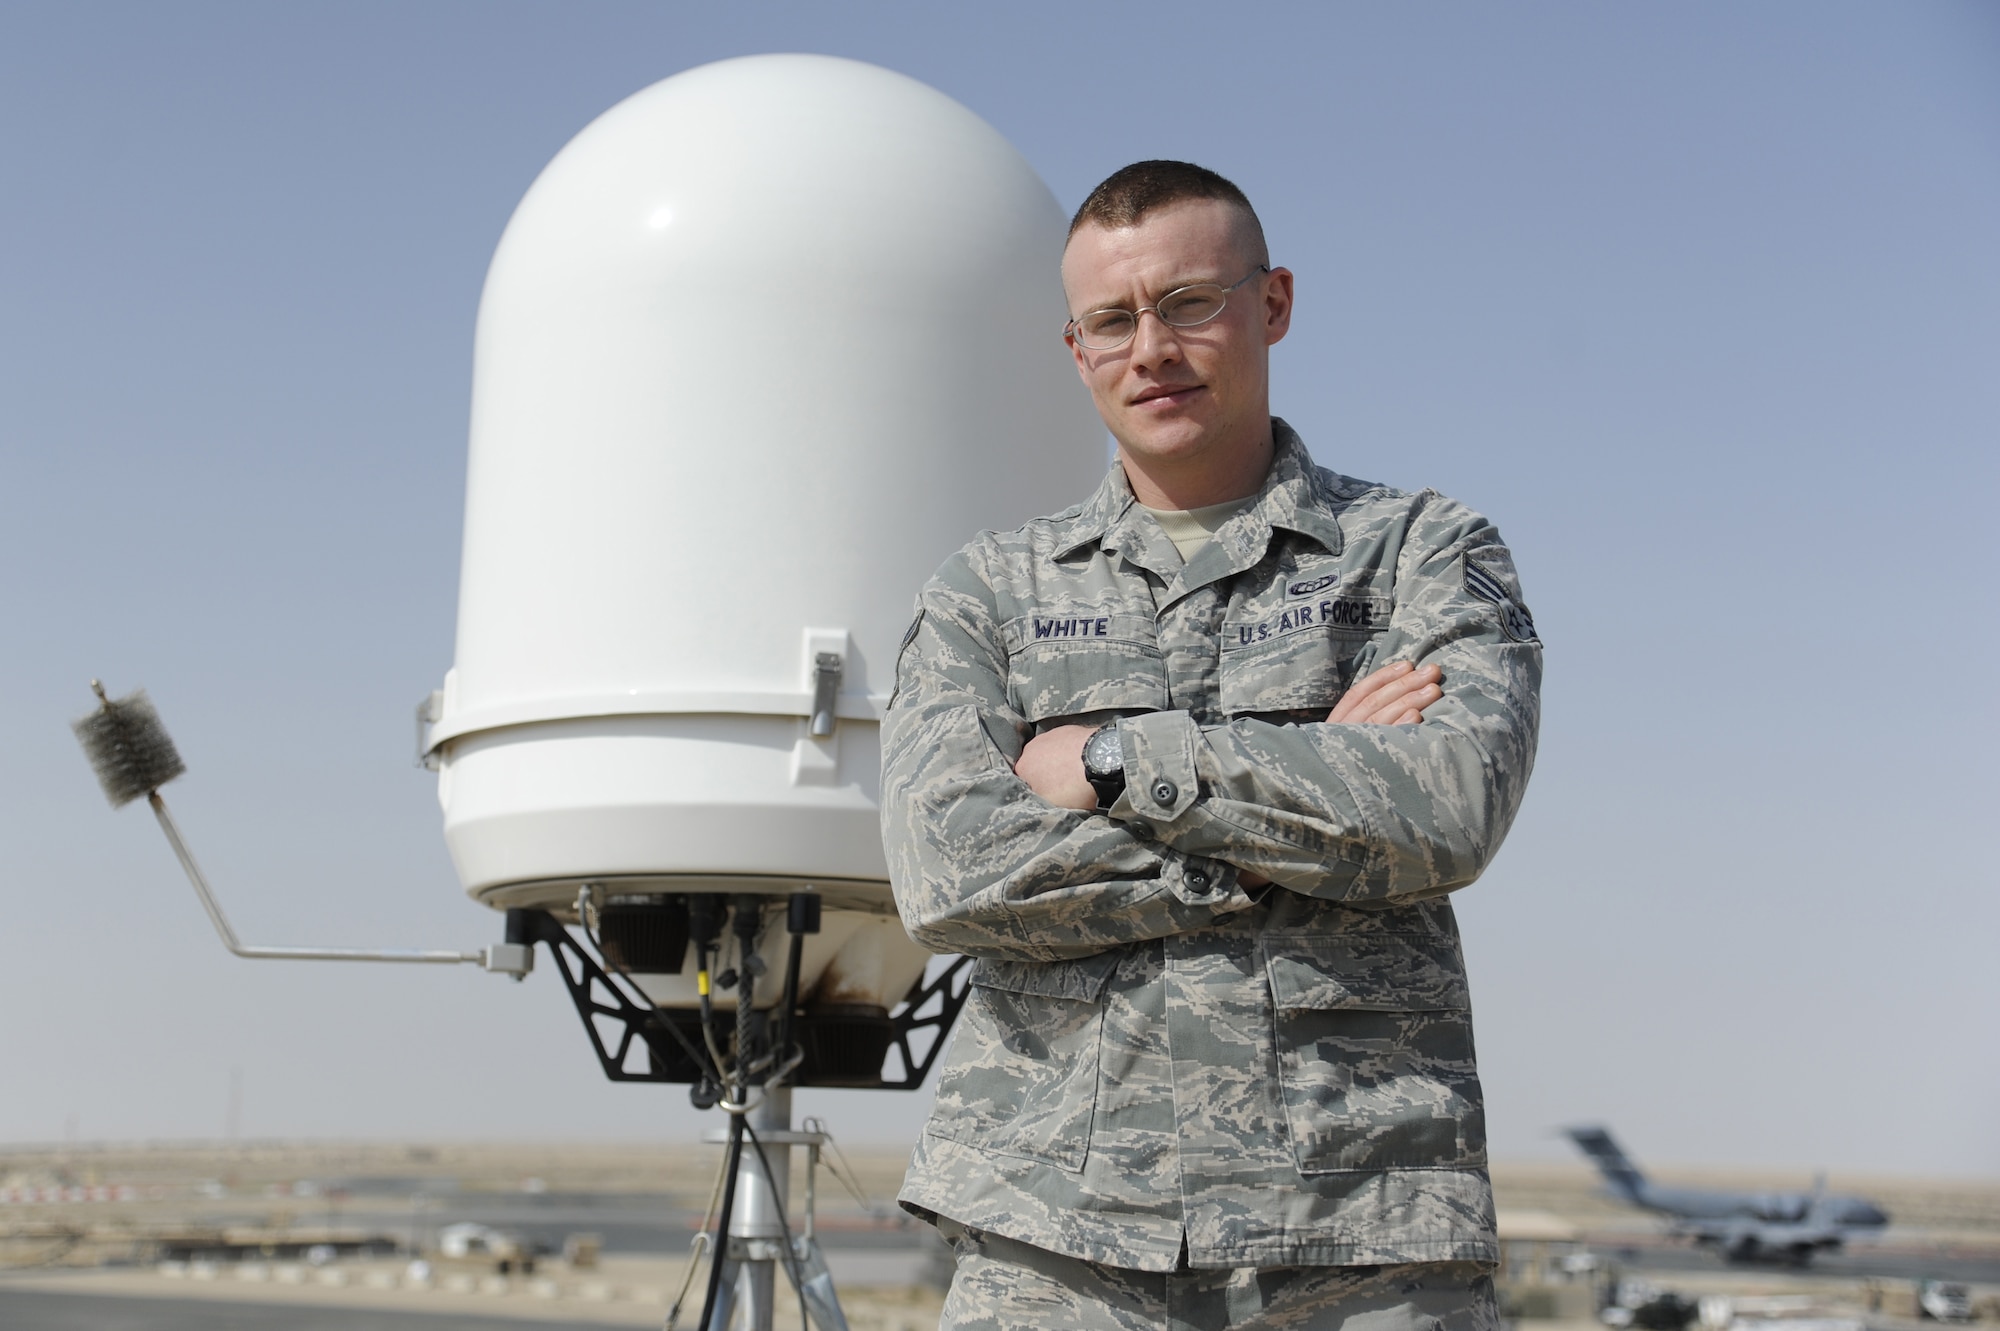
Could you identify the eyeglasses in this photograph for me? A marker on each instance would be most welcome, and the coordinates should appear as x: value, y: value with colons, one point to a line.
x: 1183, y: 307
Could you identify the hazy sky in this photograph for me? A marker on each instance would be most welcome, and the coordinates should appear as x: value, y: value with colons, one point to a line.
x: 1700, y: 302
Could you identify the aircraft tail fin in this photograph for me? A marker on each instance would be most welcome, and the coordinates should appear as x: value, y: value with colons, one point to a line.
x: 1623, y: 1176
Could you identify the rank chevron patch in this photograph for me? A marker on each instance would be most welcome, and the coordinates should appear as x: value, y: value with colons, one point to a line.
x: 1483, y: 582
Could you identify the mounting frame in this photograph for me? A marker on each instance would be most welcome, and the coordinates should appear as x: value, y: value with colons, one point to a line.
x: 932, y: 1004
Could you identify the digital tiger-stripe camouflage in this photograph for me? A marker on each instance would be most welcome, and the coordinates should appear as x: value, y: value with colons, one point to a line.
x: 1153, y: 1055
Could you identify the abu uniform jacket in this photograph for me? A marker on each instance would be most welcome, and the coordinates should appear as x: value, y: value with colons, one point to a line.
x: 1152, y: 1060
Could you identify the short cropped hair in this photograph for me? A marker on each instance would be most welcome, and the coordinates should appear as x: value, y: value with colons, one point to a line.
x: 1130, y: 192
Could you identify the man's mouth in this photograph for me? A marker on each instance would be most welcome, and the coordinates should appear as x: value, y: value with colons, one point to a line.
x: 1167, y: 395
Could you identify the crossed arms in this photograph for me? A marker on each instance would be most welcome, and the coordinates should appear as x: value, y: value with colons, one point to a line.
x: 992, y: 851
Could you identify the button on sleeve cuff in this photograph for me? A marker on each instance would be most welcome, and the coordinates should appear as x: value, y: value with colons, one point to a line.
x: 1198, y: 881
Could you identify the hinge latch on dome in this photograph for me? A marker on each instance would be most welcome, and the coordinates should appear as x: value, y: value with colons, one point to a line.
x: 827, y: 670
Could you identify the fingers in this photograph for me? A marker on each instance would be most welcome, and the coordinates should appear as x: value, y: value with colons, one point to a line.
x: 1403, y: 712
x: 1403, y: 709
x: 1362, y: 690
x: 1395, y: 695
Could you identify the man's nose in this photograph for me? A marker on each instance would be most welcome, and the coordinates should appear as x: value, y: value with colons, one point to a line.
x: 1155, y: 341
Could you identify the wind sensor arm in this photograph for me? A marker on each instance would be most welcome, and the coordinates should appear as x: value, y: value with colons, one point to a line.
x: 133, y: 755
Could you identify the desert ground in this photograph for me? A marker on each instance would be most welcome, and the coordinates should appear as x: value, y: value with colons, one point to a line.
x: 278, y: 1233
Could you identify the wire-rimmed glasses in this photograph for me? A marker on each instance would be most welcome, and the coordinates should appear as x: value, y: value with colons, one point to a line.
x: 1183, y: 307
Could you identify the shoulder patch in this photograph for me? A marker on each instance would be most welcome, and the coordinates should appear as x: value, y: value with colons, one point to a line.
x: 1489, y: 585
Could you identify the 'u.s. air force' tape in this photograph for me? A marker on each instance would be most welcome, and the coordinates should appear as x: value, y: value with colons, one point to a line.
x: 1483, y: 582
x: 1341, y: 614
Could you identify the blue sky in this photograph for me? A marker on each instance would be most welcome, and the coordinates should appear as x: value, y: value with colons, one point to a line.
x: 1701, y: 303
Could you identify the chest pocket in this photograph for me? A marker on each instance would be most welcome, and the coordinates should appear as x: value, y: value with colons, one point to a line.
x: 1021, y: 1078
x: 1299, y: 654
x: 1374, y: 1044
x: 1302, y: 671
x: 1066, y: 664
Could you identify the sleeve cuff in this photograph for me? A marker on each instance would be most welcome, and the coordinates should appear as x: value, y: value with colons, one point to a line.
x: 1160, y: 789
x: 1160, y: 780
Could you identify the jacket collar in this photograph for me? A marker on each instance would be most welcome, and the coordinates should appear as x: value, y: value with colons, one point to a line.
x: 1290, y: 499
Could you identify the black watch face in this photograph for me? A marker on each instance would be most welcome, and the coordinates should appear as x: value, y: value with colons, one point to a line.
x: 1104, y: 755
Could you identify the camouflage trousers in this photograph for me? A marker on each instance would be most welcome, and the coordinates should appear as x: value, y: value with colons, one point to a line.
x: 1005, y: 1285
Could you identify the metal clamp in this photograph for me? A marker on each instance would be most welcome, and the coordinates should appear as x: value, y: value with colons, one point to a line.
x: 429, y: 712
x: 827, y: 670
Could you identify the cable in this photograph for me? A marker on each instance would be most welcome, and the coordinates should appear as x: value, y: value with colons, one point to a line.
x: 586, y: 907
x: 717, y: 1258
x: 746, y: 925
x: 699, y: 1245
x: 707, y: 1014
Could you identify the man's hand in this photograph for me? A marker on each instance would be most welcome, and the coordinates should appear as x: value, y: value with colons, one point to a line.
x: 1052, y: 765
x: 1395, y: 695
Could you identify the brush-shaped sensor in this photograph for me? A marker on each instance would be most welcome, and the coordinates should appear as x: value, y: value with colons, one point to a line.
x: 129, y: 747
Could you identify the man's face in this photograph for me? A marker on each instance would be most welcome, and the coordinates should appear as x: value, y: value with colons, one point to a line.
x: 1171, y: 396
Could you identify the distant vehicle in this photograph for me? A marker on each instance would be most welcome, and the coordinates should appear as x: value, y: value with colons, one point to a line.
x: 1641, y: 1304
x: 470, y: 1240
x: 507, y: 1250
x: 1744, y: 1226
x: 1944, y: 1301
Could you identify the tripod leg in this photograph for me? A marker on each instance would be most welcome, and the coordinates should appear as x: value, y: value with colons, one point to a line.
x: 725, y: 1296
x: 816, y: 1287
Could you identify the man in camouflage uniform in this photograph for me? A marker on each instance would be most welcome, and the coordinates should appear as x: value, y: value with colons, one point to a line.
x: 1216, y: 1067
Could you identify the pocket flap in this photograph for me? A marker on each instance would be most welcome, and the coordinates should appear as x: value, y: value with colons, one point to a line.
x: 1074, y: 677
x: 1082, y: 979
x: 1369, y: 972
x: 1301, y: 671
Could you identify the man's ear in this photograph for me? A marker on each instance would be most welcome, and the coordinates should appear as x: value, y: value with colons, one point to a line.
x: 1076, y: 354
x: 1277, y: 305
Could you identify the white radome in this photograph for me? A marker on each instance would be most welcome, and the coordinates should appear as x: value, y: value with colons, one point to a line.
x: 760, y: 347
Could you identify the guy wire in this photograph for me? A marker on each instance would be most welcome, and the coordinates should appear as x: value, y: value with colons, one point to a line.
x: 842, y: 1170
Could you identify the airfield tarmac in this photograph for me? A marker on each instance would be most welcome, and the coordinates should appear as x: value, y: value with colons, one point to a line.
x: 74, y: 1262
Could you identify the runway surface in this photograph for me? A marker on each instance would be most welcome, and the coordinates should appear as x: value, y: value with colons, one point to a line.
x: 36, y: 1310
x: 547, y: 1194
x: 1658, y: 1261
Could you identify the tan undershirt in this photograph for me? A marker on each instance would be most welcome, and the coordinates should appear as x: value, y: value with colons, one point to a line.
x: 1190, y: 528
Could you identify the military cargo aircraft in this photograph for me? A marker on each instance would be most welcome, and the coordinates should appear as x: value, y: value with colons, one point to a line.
x: 1786, y: 1227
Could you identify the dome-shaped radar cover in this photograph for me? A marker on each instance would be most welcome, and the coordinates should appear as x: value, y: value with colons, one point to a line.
x: 761, y: 347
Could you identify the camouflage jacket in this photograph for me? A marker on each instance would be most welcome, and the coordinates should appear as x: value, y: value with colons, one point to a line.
x: 1151, y: 1055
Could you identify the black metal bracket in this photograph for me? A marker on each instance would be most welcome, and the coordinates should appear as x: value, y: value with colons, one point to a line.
x: 581, y: 974
x: 931, y: 1005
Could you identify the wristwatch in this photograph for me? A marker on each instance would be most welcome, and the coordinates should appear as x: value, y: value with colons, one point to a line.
x: 1104, y: 764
